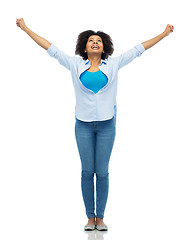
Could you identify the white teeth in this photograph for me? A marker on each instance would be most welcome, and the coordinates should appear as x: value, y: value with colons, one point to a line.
x: 95, y: 47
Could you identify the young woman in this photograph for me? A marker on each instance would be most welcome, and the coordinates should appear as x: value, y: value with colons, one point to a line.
x: 94, y: 76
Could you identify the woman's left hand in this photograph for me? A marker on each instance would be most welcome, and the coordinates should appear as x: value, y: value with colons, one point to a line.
x: 168, y: 30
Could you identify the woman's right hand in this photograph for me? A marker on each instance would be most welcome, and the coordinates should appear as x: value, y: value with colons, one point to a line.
x: 20, y: 23
x: 39, y: 40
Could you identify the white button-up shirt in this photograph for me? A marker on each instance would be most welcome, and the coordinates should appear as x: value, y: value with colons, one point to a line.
x: 102, y: 105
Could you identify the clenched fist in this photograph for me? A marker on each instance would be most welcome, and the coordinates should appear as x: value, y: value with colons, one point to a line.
x: 20, y: 23
x: 168, y: 29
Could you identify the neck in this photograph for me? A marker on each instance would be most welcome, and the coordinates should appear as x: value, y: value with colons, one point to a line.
x: 95, y: 60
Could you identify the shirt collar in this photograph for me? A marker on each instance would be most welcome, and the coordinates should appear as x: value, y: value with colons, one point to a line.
x: 102, y: 61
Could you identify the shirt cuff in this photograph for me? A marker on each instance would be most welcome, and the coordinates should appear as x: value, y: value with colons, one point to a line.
x: 51, y: 50
x: 140, y: 48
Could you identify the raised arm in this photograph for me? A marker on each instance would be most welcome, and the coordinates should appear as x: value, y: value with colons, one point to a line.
x: 39, y: 40
x: 153, y: 41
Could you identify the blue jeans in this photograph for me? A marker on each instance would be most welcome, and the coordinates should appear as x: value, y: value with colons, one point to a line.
x: 95, y: 142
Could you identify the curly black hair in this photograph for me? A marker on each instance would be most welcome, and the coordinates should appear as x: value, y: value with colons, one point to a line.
x: 82, y: 41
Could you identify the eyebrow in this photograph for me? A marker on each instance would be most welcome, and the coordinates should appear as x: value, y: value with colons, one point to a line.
x: 93, y: 38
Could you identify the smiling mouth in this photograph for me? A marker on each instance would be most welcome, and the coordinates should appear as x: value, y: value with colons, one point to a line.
x: 95, y: 47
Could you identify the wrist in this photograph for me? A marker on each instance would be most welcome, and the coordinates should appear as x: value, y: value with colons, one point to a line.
x: 164, y: 34
x: 25, y: 28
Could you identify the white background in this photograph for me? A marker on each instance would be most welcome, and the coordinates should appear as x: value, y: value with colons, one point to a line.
x: 40, y: 194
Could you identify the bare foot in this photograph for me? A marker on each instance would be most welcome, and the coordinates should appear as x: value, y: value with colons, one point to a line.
x: 91, y: 221
x: 99, y: 221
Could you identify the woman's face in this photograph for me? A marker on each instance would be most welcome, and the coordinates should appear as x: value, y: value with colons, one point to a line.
x: 94, y: 45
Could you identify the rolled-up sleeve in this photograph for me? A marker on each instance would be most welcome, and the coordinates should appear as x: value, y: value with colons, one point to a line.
x: 130, y: 55
x: 61, y: 56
